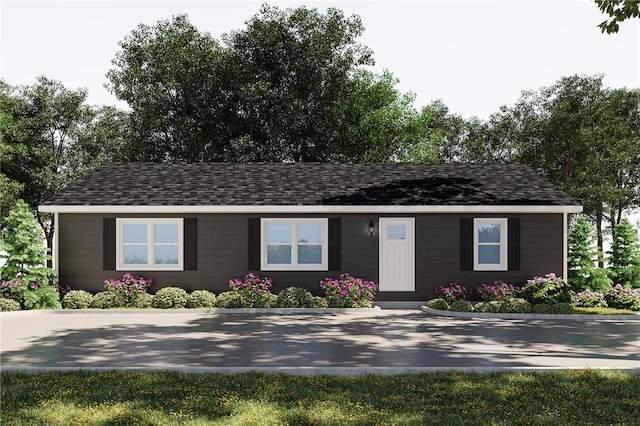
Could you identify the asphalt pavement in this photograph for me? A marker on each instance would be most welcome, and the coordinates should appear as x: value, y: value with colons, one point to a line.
x: 386, y: 341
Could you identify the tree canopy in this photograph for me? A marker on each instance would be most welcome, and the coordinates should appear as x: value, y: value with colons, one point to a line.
x: 291, y: 86
x: 49, y: 137
x: 618, y: 11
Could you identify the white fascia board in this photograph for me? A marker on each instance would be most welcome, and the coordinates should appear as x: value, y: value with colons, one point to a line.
x: 306, y: 209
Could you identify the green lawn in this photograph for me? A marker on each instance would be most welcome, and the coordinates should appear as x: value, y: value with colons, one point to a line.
x: 583, y: 397
x: 604, y: 311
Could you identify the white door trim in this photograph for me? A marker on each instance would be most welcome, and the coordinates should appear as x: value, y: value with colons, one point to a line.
x: 397, y: 256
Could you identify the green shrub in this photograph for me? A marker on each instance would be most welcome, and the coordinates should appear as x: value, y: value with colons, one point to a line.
x: 461, y: 306
x: 267, y: 300
x: 294, y: 297
x: 142, y: 301
x: 488, y: 307
x: 541, y: 308
x: 77, y: 299
x: 7, y: 305
x: 515, y: 306
x: 104, y: 300
x: 201, y: 299
x: 548, y: 289
x: 439, y: 304
x: 229, y: 300
x: 170, y: 298
x: 318, y: 302
x: 562, y: 308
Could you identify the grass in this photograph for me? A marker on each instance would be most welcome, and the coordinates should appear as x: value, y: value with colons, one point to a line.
x: 584, y: 397
x: 604, y: 311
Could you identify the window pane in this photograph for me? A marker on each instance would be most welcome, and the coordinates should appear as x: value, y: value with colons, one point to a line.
x: 309, y: 233
x: 279, y: 255
x: 489, y: 254
x: 166, y: 255
x: 135, y: 255
x: 165, y: 233
x: 489, y: 233
x: 310, y: 255
x: 278, y: 233
x: 396, y: 232
x: 135, y: 233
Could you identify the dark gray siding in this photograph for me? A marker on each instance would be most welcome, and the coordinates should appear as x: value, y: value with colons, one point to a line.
x: 222, y: 253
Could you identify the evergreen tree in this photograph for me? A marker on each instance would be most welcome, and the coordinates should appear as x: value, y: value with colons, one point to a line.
x: 624, y: 260
x: 582, y: 255
x: 24, y: 276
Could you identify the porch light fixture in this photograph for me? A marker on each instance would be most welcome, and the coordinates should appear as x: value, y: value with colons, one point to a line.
x: 372, y: 227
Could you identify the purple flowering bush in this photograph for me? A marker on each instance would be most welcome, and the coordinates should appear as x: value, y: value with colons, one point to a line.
x: 549, y: 289
x: 497, y: 291
x: 128, y: 288
x: 253, y: 291
x: 452, y: 292
x: 590, y: 299
x: 349, y: 292
x: 623, y: 297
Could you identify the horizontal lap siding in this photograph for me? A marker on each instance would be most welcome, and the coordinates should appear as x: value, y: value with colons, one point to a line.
x: 438, y: 245
x: 222, y: 253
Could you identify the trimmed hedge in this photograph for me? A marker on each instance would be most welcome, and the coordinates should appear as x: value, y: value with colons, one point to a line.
x: 77, y: 299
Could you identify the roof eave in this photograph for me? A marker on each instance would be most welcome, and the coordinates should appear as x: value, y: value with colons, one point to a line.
x: 169, y: 209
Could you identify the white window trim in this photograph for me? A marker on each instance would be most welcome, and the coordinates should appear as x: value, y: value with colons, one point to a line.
x: 503, y: 265
x: 121, y: 266
x: 294, y: 266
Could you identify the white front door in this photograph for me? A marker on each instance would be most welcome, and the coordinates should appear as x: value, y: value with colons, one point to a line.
x: 397, y: 254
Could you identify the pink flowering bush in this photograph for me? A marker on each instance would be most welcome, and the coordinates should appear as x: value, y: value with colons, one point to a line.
x: 254, y: 291
x: 452, y: 292
x: 499, y: 290
x: 623, y: 297
x: 32, y: 291
x: 349, y: 292
x: 590, y: 299
x: 127, y: 288
x: 549, y: 289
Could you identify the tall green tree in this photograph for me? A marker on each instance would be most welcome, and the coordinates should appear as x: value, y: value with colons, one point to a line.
x: 24, y: 275
x: 48, y: 137
x: 624, y: 256
x: 582, y: 258
x: 584, y: 138
x: 292, y: 85
x: 172, y: 75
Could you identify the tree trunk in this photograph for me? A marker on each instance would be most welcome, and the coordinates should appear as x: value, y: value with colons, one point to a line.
x: 48, y: 235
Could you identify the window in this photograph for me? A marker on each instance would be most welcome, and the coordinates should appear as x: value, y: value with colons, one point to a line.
x: 294, y: 244
x: 149, y: 244
x: 490, y: 244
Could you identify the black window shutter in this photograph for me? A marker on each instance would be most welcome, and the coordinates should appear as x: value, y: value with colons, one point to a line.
x: 190, y: 244
x: 109, y: 244
x: 514, y: 244
x: 254, y: 244
x: 466, y: 244
x: 335, y: 244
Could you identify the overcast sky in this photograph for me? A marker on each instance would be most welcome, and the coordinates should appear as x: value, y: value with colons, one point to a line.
x: 474, y: 55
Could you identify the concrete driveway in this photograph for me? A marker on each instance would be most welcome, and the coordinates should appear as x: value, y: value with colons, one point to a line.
x: 370, y: 341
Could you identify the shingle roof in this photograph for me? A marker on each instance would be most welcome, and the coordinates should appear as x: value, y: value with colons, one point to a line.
x: 245, y: 184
